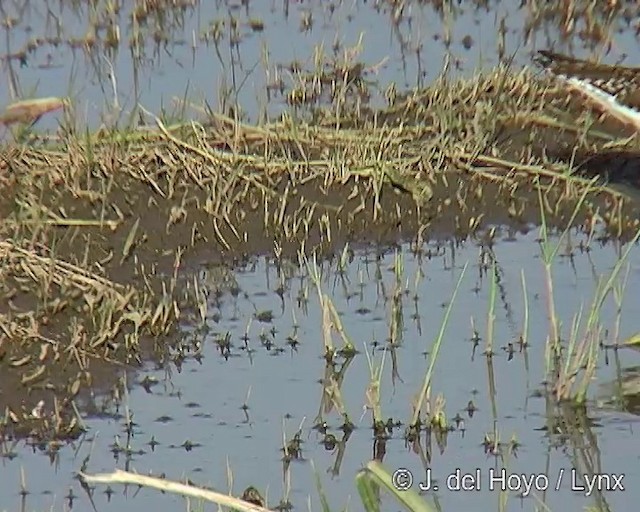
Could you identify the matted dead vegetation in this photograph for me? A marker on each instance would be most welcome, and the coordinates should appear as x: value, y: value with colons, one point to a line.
x: 96, y: 227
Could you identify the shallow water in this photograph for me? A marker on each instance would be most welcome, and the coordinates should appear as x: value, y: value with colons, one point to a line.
x: 105, y: 85
x: 203, y: 403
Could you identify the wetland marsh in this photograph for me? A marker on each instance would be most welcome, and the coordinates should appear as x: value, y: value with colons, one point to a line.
x: 254, y: 247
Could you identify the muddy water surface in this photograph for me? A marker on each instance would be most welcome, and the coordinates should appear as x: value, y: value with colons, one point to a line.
x: 240, y: 54
x: 204, y: 402
x: 226, y: 409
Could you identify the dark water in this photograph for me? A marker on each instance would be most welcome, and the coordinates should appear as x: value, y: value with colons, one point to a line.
x: 204, y: 402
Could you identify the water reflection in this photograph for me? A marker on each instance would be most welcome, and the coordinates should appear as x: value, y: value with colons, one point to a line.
x: 267, y: 381
x: 114, y: 60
